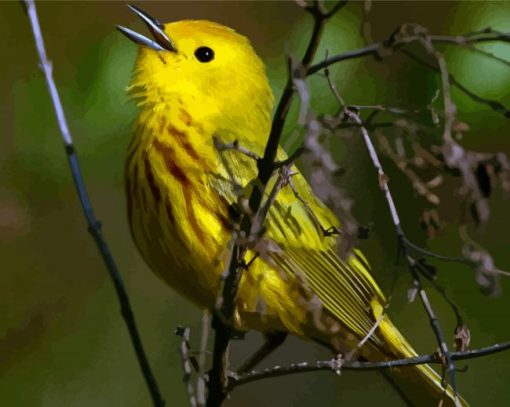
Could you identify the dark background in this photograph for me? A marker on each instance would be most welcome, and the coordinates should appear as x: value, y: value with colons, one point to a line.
x: 62, y: 339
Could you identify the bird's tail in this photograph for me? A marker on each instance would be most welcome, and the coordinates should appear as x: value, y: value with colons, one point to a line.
x: 419, y: 384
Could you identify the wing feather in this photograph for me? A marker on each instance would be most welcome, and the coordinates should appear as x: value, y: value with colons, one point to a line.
x: 345, y: 288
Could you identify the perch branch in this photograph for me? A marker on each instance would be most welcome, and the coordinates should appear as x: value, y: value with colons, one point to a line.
x: 334, y: 364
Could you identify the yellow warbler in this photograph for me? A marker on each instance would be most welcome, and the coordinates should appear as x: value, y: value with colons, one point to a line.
x: 198, y: 80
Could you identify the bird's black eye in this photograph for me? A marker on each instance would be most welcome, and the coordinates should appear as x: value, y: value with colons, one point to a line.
x: 204, y: 54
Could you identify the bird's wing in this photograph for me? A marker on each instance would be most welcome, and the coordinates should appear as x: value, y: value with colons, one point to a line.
x: 345, y: 288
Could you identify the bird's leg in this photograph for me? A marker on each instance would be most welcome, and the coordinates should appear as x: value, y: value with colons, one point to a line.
x: 272, y: 341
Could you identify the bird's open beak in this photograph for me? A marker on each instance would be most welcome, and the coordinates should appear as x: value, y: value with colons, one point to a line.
x: 161, y: 41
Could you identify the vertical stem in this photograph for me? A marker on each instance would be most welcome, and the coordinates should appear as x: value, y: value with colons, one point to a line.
x: 201, y: 384
x: 222, y: 320
x: 222, y: 325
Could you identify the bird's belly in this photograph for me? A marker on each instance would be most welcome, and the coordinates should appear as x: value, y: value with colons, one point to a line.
x: 263, y: 300
x: 172, y: 258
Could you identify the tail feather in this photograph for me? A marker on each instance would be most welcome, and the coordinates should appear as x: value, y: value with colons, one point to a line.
x: 420, y: 384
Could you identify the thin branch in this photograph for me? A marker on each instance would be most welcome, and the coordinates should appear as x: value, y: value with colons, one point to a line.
x: 284, y: 176
x: 220, y: 146
x: 450, y: 109
x: 334, y: 365
x: 434, y: 324
x: 369, y: 334
x: 222, y: 317
x: 485, y: 35
x: 489, y: 55
x: 374, y: 49
x: 222, y: 326
x: 202, y: 358
x: 354, y: 54
x: 318, y: 26
x: 94, y: 226
x: 381, y: 49
x: 440, y: 289
x: 383, y: 183
x: 282, y: 109
x: 493, y: 104
x: 184, y: 348
x: 290, y: 159
x: 311, y: 213
x: 424, y: 252
x: 336, y: 8
x: 388, y: 109
x: 332, y: 86
x: 383, y: 178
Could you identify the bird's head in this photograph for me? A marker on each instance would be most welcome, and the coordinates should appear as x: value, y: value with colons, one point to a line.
x: 199, y: 62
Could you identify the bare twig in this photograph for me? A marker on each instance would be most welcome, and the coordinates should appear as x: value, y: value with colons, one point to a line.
x: 94, y: 225
x: 202, y: 358
x: 493, y: 104
x: 284, y: 176
x: 309, y: 210
x: 358, y: 53
x: 434, y: 324
x: 383, y: 184
x: 222, y: 325
x: 489, y: 55
x: 369, y: 334
x: 333, y: 364
x: 485, y: 35
x: 381, y: 49
x: 332, y: 85
x: 383, y: 178
x: 374, y: 49
x: 184, y: 348
x: 450, y: 109
x: 290, y: 159
x: 266, y: 165
x: 220, y: 146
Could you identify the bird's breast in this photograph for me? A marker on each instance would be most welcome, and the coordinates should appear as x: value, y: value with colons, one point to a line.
x: 179, y: 223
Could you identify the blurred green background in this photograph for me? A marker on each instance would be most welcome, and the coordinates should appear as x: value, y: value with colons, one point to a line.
x: 62, y: 339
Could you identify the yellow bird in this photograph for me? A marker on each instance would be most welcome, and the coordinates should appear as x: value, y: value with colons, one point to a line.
x: 199, y: 80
